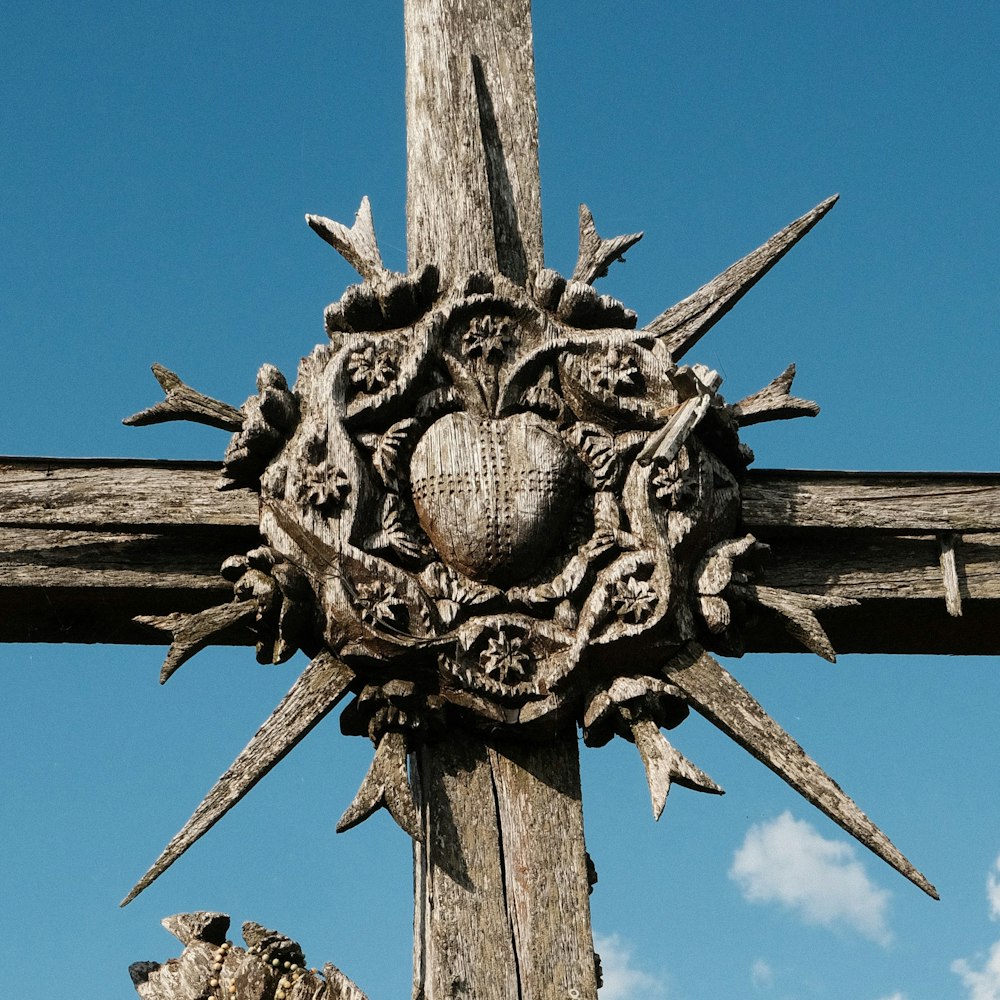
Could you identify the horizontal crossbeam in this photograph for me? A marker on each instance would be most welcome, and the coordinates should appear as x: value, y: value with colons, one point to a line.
x: 88, y: 544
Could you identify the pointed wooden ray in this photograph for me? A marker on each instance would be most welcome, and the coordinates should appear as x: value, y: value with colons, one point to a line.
x: 774, y: 402
x: 684, y: 324
x: 320, y: 687
x: 191, y: 633
x: 666, y: 765
x: 385, y: 784
x: 597, y: 255
x: 798, y: 611
x: 718, y: 696
x: 356, y: 245
x: 184, y: 403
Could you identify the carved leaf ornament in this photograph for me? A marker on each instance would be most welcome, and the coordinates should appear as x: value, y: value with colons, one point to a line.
x: 487, y: 505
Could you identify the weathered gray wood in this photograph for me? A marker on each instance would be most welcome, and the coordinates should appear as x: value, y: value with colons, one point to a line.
x: 65, y: 577
x: 718, y: 696
x: 501, y: 905
x: 385, y: 785
x: 184, y: 403
x: 774, y: 402
x: 684, y: 324
x: 271, y: 967
x: 597, y: 255
x: 949, y: 574
x: 118, y: 494
x: 914, y: 502
x: 191, y: 633
x: 357, y: 244
x: 473, y: 197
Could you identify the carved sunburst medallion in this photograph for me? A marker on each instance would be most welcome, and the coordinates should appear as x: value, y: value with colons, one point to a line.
x: 503, y: 506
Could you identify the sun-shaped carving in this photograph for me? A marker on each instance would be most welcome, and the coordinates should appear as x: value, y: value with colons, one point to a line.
x: 503, y: 506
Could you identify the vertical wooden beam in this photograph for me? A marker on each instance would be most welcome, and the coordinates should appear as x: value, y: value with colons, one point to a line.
x: 473, y: 196
x: 501, y: 890
x: 501, y: 909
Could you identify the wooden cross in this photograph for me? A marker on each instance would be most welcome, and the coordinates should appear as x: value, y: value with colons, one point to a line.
x: 502, y: 875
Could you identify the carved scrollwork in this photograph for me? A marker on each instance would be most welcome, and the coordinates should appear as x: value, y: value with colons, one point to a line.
x: 492, y: 504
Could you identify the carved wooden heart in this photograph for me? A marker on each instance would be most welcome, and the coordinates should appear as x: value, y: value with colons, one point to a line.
x: 494, y: 496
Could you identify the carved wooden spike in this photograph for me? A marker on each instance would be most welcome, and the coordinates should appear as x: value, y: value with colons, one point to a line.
x: 949, y: 574
x: 665, y: 765
x: 597, y: 255
x: 199, y: 926
x: 386, y: 784
x: 356, y: 245
x: 338, y: 987
x: 684, y: 324
x: 719, y: 697
x: 797, y: 610
x: 185, y: 403
x: 317, y: 691
x: 774, y: 402
x: 192, y: 633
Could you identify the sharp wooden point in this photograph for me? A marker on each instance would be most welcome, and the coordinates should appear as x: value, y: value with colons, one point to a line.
x: 317, y: 691
x: 385, y: 786
x: 718, y: 696
x: 597, y: 255
x: 684, y: 324
x: 357, y: 244
x: 184, y: 403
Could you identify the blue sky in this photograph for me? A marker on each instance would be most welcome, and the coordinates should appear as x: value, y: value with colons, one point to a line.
x: 156, y: 164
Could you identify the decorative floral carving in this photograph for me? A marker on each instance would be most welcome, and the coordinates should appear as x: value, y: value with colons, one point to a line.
x: 487, y: 337
x: 328, y: 491
x: 616, y: 372
x: 505, y: 659
x: 633, y: 599
x: 380, y: 603
x: 674, y: 487
x: 372, y: 367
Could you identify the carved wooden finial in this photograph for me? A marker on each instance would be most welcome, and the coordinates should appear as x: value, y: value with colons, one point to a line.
x: 185, y: 403
x: 356, y: 245
x: 385, y: 785
x: 597, y: 255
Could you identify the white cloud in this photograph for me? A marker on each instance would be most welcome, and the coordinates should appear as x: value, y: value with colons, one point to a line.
x: 622, y: 980
x: 895, y: 996
x: 984, y: 984
x: 993, y: 890
x: 761, y: 974
x: 786, y: 861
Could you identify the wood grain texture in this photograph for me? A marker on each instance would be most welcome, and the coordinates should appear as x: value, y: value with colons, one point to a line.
x: 502, y: 905
x: 902, y: 502
x: 88, y: 544
x: 184, y: 403
x: 684, y: 324
x: 113, y: 494
x: 473, y: 195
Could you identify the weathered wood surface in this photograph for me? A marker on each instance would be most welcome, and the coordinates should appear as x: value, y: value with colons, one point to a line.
x: 899, y: 502
x: 473, y: 194
x: 86, y: 545
x: 119, y: 494
x: 504, y: 842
